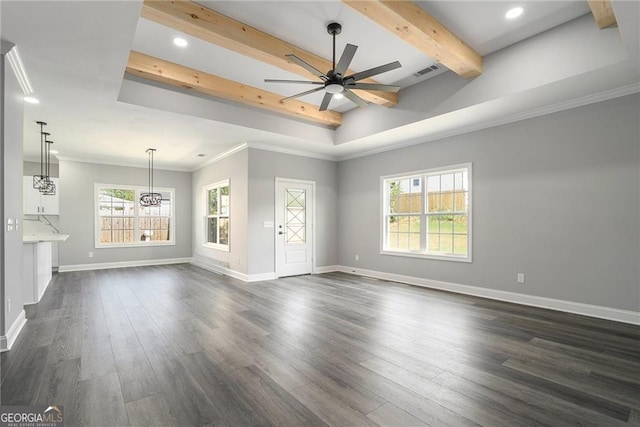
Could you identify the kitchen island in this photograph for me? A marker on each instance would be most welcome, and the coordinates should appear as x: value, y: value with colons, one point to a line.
x: 37, y: 268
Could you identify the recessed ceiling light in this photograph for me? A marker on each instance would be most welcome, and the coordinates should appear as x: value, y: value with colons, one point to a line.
x: 54, y: 151
x: 179, y: 41
x: 514, y: 13
x: 338, y: 95
x: 31, y: 100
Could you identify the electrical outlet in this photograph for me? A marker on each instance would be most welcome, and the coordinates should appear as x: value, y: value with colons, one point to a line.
x: 520, y: 278
x: 90, y: 254
x: 357, y: 257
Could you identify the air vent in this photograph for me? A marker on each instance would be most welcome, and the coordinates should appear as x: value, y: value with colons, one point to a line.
x: 426, y: 71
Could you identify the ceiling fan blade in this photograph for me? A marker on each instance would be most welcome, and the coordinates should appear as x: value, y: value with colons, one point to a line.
x: 325, y: 101
x: 306, y: 82
x: 306, y: 66
x: 374, y: 71
x: 302, y: 93
x: 354, y: 98
x: 345, y: 59
x: 370, y: 86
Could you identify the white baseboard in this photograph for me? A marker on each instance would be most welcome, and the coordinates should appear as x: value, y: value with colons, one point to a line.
x: 6, y: 342
x: 273, y: 275
x: 259, y: 277
x: 219, y: 269
x: 213, y: 268
x: 601, y: 312
x: 326, y: 269
x: 262, y: 276
x: 123, y: 264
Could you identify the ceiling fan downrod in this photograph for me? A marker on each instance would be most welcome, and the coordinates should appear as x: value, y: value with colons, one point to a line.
x: 334, y: 29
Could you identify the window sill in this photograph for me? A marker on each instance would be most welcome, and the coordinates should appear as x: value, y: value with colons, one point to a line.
x: 427, y: 256
x: 133, y: 245
x: 223, y: 248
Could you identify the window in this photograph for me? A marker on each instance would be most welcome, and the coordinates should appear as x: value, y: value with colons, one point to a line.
x: 216, y: 202
x: 121, y: 221
x: 427, y: 214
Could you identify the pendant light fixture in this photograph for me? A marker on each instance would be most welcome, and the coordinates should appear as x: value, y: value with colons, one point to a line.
x: 150, y: 198
x: 49, y: 188
x: 38, y: 179
x: 43, y: 182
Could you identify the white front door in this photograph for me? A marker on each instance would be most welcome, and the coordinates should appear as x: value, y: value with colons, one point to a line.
x: 294, y: 227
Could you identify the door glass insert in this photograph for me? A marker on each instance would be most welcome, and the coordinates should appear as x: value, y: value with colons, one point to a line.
x: 295, y: 220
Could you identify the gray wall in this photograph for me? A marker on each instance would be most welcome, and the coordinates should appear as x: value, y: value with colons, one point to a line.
x: 556, y: 197
x: 76, y: 191
x: 33, y: 168
x: 264, y: 167
x: 233, y: 168
x: 11, y: 153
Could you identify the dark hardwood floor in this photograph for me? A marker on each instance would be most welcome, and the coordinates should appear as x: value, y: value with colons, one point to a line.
x: 180, y: 346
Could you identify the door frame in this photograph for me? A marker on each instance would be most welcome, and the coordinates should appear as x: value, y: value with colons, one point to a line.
x: 278, y: 180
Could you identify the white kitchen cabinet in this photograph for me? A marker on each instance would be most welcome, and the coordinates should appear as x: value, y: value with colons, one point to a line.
x: 35, y: 203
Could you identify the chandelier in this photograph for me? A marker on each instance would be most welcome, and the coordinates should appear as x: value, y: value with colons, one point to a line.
x: 150, y: 198
x: 43, y: 182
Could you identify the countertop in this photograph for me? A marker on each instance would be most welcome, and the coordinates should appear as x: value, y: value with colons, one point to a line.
x: 41, y: 237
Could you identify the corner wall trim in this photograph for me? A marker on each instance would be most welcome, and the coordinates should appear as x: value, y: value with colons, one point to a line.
x: 608, y: 313
x: 7, y: 341
x: 123, y: 264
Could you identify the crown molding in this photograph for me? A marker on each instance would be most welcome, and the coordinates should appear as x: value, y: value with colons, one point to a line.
x: 119, y: 163
x: 18, y: 67
x: 265, y: 147
x: 231, y: 151
x: 291, y: 151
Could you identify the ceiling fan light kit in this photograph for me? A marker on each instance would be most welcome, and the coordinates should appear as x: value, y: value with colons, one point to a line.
x: 334, y: 88
x: 334, y: 83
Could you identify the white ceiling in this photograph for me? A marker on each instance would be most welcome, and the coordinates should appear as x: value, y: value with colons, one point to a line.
x: 75, y: 54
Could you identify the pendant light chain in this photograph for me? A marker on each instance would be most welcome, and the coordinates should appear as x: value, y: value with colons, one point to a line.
x: 150, y: 198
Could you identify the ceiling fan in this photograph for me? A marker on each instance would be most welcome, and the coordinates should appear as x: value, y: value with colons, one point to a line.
x: 334, y: 82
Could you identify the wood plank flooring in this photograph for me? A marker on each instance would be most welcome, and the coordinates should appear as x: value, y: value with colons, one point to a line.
x: 180, y: 346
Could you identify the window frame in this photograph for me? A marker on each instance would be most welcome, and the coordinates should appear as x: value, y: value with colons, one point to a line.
x: 136, y: 217
x: 384, y: 209
x: 205, y: 199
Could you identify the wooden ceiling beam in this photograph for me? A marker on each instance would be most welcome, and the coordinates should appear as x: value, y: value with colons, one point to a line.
x: 603, y: 13
x: 213, y: 27
x: 183, y: 77
x: 412, y: 24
